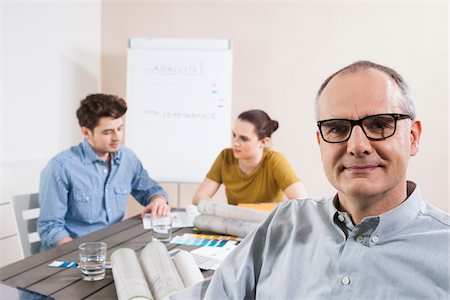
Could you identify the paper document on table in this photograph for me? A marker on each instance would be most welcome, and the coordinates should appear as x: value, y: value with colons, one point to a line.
x: 180, y: 219
x: 184, y: 264
x: 129, y: 278
x: 161, y: 273
x: 210, y: 258
x: 185, y: 239
x: 231, y: 211
x: 152, y: 275
x: 222, y: 225
x: 72, y: 264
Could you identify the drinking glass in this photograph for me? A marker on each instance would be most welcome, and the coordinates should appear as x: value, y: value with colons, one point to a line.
x: 161, y: 228
x: 92, y: 260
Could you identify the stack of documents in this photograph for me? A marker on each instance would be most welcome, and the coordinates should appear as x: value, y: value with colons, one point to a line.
x: 180, y: 219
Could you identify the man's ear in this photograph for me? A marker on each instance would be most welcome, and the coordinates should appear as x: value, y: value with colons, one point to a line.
x: 85, y: 131
x: 318, y: 137
x: 416, y: 132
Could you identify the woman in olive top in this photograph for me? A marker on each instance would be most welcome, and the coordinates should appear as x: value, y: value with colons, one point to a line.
x: 250, y: 171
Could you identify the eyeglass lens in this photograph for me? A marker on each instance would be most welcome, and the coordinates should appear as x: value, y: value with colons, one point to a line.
x: 375, y: 127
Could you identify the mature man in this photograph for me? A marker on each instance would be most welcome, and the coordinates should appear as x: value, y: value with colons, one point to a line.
x: 376, y: 238
x: 86, y: 187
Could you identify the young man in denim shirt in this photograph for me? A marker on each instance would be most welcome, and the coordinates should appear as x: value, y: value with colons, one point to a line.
x: 86, y: 188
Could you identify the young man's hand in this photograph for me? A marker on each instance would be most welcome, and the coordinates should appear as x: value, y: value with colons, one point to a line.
x: 64, y: 240
x: 157, y: 207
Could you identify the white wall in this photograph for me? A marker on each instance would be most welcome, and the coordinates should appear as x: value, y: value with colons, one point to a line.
x: 50, y: 59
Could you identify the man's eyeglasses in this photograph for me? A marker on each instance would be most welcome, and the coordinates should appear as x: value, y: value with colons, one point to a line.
x: 376, y: 127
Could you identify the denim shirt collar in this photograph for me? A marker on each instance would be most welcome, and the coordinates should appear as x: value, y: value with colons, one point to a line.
x: 91, y: 157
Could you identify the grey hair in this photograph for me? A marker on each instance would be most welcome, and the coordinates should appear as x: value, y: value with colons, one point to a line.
x: 407, y: 101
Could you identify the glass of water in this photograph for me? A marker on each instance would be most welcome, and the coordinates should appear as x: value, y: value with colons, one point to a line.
x: 161, y: 228
x: 92, y: 260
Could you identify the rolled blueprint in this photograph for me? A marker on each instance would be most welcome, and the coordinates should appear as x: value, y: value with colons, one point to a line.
x: 187, y: 268
x: 231, y: 211
x: 129, y: 279
x: 222, y: 225
x: 162, y: 275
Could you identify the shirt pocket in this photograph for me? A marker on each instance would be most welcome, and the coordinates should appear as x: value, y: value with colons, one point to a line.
x: 86, y: 205
x: 121, y: 193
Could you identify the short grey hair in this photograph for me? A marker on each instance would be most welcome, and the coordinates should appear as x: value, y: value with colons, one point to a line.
x: 407, y: 102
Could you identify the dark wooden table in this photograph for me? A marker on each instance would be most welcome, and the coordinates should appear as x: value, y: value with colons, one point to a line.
x: 34, y: 274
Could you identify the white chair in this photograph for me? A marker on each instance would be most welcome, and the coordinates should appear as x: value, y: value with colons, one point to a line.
x: 26, y: 211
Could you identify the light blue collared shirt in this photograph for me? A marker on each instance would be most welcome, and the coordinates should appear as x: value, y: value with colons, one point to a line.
x: 307, y: 249
x: 78, y: 194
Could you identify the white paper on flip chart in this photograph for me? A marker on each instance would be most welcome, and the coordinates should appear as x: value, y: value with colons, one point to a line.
x: 183, y: 86
x: 222, y: 225
x: 180, y: 219
x: 231, y: 211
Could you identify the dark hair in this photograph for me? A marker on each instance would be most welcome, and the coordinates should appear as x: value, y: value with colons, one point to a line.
x: 408, y: 98
x: 264, y: 125
x: 96, y: 106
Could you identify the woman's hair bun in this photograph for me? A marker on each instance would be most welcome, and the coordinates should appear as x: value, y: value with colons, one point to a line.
x: 274, y: 125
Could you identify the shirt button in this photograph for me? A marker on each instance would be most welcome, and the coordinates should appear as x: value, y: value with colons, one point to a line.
x: 359, y: 238
x: 105, y: 171
x: 375, y: 239
x: 345, y: 280
x: 341, y: 218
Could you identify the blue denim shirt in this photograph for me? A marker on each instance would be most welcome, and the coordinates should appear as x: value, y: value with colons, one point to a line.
x: 79, y: 195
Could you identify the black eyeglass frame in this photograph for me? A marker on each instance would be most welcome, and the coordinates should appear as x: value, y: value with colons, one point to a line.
x: 359, y: 122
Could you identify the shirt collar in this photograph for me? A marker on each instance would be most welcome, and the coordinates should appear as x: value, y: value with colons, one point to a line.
x: 387, y: 223
x: 117, y: 156
x: 91, y: 157
x: 401, y: 216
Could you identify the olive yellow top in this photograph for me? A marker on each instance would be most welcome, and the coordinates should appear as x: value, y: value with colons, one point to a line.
x: 266, y: 184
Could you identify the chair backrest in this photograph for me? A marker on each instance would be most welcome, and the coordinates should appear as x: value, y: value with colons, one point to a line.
x: 26, y: 210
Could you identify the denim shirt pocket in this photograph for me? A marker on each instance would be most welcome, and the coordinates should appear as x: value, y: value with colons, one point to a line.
x: 121, y: 193
x: 86, y: 205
